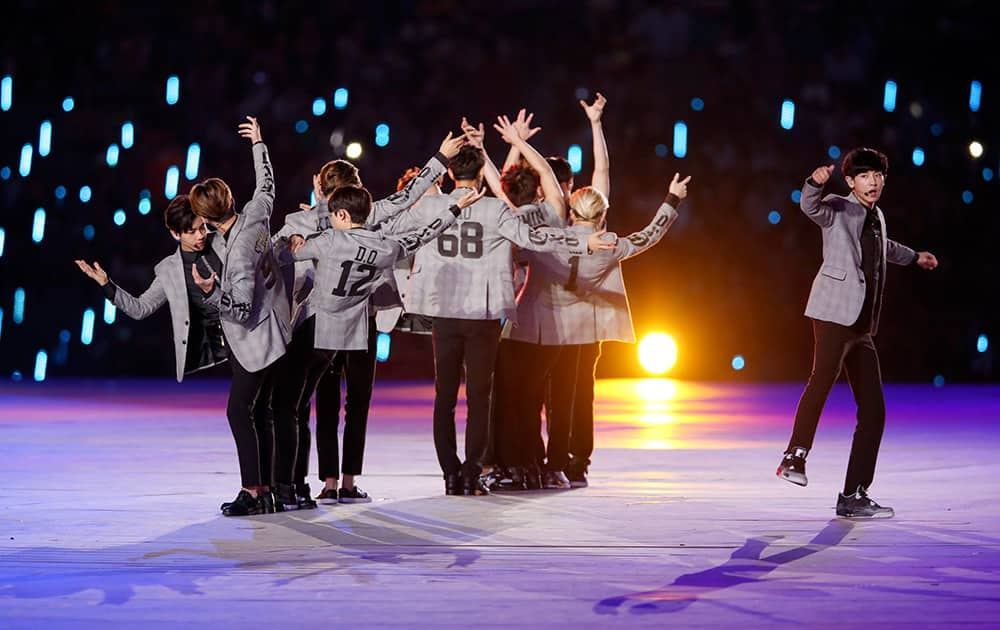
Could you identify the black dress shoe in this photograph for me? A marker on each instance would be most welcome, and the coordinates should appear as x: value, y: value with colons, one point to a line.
x: 245, y: 504
x: 453, y: 484
x: 303, y: 497
x: 268, y: 504
x: 474, y: 487
x: 284, y: 494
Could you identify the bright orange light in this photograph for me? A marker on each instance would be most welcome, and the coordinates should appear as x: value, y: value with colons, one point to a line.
x: 657, y: 353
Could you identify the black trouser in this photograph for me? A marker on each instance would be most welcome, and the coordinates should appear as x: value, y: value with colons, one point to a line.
x: 839, y: 346
x: 472, y: 342
x: 358, y: 369
x: 521, y: 372
x: 250, y: 423
x: 296, y: 377
x: 571, y: 417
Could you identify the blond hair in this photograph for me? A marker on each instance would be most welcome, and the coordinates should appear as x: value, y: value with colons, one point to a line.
x: 588, y: 203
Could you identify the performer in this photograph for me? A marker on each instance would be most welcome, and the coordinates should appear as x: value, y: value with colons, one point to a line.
x: 465, y: 284
x: 357, y: 366
x: 349, y: 257
x: 575, y: 301
x: 844, y: 306
x: 198, y: 339
x: 253, y: 308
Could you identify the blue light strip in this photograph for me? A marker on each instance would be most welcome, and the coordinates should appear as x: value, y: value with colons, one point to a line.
x: 680, y: 139
x: 38, y: 226
x: 45, y: 138
x: 193, y: 161
x: 87, y: 328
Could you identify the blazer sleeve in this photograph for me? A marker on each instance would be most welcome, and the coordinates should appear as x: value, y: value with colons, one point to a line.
x: 640, y: 241
x: 538, y: 239
x: 241, y: 271
x: 395, y: 203
x: 410, y: 243
x: 143, y: 306
x: 814, y: 206
x: 899, y: 254
x: 258, y: 209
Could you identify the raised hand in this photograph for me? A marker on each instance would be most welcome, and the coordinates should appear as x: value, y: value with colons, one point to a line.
x: 507, y: 130
x: 927, y: 260
x: 595, y: 243
x: 475, y: 135
x: 450, y: 146
x: 595, y: 111
x: 679, y: 186
x: 470, y: 197
x: 822, y: 174
x: 205, y: 284
x: 523, y: 125
x: 251, y: 130
x: 95, y: 273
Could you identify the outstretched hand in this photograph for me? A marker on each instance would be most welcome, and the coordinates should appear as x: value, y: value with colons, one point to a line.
x: 475, y: 135
x: 679, y: 186
x: 822, y: 174
x: 927, y: 260
x: 522, y: 124
x: 507, y: 130
x: 95, y: 273
x: 595, y: 243
x: 205, y: 284
x: 251, y: 130
x: 595, y: 111
x: 451, y: 145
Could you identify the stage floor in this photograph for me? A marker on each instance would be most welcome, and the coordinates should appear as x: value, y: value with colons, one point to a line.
x: 111, y: 494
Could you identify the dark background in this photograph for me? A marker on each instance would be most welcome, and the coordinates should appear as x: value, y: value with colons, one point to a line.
x: 724, y: 281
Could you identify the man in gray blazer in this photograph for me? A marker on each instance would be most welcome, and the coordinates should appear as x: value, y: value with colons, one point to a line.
x: 198, y: 341
x: 844, y: 304
x: 464, y: 281
x: 253, y: 308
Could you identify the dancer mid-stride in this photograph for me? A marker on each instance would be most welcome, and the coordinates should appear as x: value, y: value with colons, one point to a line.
x: 844, y: 307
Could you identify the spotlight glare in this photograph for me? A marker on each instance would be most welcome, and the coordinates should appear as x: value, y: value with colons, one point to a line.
x: 657, y: 353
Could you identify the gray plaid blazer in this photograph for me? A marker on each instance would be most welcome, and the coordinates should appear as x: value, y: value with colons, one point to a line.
x: 385, y: 295
x: 347, y: 264
x: 838, y: 291
x: 467, y: 272
x: 572, y: 300
x: 250, y: 294
x: 168, y: 287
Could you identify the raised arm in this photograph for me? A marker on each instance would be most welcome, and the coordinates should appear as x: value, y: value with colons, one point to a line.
x: 640, y: 241
x: 544, y: 239
x: 410, y: 243
x: 140, y: 307
x: 476, y: 136
x: 812, y: 197
x: 601, y: 179
x: 550, y: 185
x: 522, y: 123
x: 259, y: 208
x: 432, y: 171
